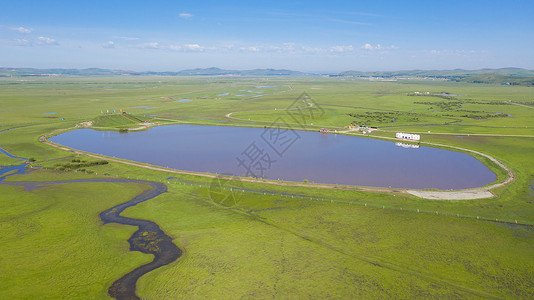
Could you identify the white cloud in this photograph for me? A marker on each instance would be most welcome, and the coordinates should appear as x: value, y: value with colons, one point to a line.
x: 22, y: 29
x: 42, y: 40
x: 151, y: 45
x: 109, y: 44
x: 193, y: 47
x: 175, y: 47
x: 227, y: 47
x: 251, y: 49
x: 341, y: 49
x: 457, y: 53
x: 293, y: 48
x: 378, y: 47
x: 284, y: 48
x: 185, y: 15
x: 368, y: 47
x: 24, y: 42
x: 287, y: 48
x: 312, y: 50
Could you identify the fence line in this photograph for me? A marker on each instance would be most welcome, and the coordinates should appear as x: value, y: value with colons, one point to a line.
x: 331, y: 200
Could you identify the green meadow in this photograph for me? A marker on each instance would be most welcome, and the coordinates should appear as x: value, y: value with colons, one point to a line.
x: 271, y: 241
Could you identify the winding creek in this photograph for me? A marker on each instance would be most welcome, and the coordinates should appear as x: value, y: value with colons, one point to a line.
x: 148, y: 239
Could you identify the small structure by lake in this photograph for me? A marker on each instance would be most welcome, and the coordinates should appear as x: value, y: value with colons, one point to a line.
x: 408, y: 136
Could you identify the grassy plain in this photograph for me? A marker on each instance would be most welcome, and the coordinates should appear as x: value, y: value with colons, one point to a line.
x: 278, y: 241
x: 53, y: 245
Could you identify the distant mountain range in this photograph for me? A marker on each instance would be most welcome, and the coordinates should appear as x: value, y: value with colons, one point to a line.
x: 504, y: 76
x: 450, y: 74
x: 509, y: 76
x: 492, y: 78
x: 25, y: 72
x: 254, y: 72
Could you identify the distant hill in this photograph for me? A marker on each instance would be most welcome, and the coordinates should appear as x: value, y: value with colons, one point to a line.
x: 505, y: 76
x: 449, y: 74
x: 255, y: 72
x: 23, y: 72
x: 26, y: 72
x: 493, y: 78
x: 508, y: 76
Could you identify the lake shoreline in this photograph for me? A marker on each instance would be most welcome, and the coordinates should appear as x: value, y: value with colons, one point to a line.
x: 461, y: 194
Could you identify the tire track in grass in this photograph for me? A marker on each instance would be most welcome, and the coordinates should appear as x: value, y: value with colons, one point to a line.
x: 375, y: 261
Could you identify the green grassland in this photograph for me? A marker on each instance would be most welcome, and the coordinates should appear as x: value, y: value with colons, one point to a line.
x: 120, y: 120
x: 296, y: 244
x: 53, y: 245
x: 277, y: 241
x: 8, y: 161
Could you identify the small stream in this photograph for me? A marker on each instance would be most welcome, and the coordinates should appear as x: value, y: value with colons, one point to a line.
x: 20, y: 169
x: 149, y: 238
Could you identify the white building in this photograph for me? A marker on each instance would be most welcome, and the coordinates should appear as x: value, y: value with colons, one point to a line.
x: 408, y: 136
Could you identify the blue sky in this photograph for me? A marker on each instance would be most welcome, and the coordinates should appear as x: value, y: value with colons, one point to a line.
x: 318, y: 36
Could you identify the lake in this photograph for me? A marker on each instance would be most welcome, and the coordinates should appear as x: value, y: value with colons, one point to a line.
x: 287, y: 155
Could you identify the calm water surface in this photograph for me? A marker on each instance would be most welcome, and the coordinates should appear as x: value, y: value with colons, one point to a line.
x: 333, y: 159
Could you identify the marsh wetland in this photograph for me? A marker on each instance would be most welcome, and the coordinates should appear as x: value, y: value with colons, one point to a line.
x: 275, y: 240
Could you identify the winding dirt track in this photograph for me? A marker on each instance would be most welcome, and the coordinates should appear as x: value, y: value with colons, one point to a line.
x: 471, y: 194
